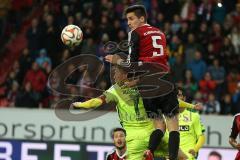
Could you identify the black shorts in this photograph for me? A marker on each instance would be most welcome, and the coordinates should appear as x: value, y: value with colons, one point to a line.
x: 156, y: 88
x: 166, y: 105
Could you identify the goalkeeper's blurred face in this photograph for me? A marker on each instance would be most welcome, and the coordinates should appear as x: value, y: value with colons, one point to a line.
x: 119, y: 139
x: 180, y: 95
x: 120, y: 76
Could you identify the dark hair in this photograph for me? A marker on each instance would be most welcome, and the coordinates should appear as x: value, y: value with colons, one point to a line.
x: 120, y: 129
x: 182, y: 90
x: 124, y: 57
x: 139, y: 11
x: 185, y: 79
x: 214, y: 153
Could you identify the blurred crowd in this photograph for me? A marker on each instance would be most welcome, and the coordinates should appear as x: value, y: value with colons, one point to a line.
x: 203, y: 40
x: 12, y: 15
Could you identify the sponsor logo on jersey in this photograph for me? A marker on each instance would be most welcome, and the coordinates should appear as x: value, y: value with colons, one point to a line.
x: 184, y: 128
x: 151, y: 32
x: 185, y: 117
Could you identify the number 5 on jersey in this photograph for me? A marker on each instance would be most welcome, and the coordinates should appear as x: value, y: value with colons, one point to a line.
x: 158, y: 46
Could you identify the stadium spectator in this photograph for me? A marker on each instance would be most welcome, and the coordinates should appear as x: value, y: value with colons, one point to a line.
x: 70, y: 20
x: 197, y: 66
x: 207, y: 85
x: 36, y: 77
x: 27, y: 97
x: 12, y: 94
x: 159, y: 20
x: 217, y: 72
x: 226, y: 104
x: 43, y: 59
x: 74, y: 76
x: 214, y: 155
x: 234, y: 37
x: 178, y: 69
x: 62, y: 17
x: 212, y: 106
x: 227, y: 24
x: 33, y: 36
x: 100, y: 48
x: 167, y: 31
x: 50, y: 36
x: 121, y: 36
x: 105, y: 27
x: 63, y: 56
x: 218, y: 75
x: 16, y: 69
x: 5, y: 7
x: 10, y: 80
x: 176, y: 25
x: 236, y: 99
x: 169, y: 8
x: 218, y: 12
x: 236, y: 14
x: 210, y: 55
x: 89, y: 46
x: 202, y: 35
x: 216, y: 38
x: 78, y: 19
x: 204, y: 11
x: 190, y: 86
x: 117, y: 27
x: 227, y: 56
x: 25, y: 62
x: 232, y: 81
x: 188, y: 10
x: 190, y: 48
x: 175, y: 49
x: 183, y: 32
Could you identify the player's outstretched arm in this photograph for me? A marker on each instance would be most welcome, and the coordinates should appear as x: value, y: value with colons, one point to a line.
x: 92, y: 103
x: 184, y: 104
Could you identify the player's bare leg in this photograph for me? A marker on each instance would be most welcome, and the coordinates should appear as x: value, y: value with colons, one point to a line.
x: 174, y: 137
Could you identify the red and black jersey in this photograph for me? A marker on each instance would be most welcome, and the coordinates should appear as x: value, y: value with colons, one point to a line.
x: 235, y: 126
x: 236, y: 131
x: 113, y: 155
x: 148, y: 44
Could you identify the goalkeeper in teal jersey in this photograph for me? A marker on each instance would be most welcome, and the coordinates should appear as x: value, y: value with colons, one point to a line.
x: 132, y: 116
x: 191, y: 130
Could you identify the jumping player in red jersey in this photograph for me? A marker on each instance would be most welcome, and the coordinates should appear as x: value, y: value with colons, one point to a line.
x: 235, y: 132
x: 148, y: 44
x: 120, y: 151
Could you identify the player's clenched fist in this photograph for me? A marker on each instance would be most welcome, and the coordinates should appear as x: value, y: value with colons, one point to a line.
x: 198, y: 106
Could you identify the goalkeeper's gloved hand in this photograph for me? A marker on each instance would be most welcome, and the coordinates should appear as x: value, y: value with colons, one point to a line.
x: 94, y: 102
